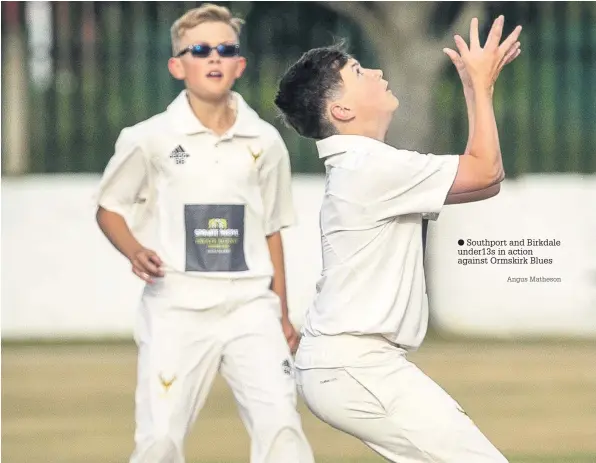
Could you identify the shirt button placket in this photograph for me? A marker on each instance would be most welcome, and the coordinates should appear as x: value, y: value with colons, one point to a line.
x: 217, y: 143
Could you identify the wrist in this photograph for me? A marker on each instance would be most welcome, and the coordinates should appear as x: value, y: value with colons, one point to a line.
x: 132, y: 252
x: 285, y: 315
x: 481, y: 89
x: 469, y: 93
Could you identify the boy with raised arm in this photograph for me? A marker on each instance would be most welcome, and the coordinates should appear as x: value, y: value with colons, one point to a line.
x: 371, y: 306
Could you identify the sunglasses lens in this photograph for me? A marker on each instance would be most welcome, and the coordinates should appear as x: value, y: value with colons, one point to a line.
x: 201, y: 50
x: 227, y: 51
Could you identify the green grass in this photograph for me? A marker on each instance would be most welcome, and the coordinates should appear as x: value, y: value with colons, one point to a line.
x: 73, y: 402
x: 513, y: 459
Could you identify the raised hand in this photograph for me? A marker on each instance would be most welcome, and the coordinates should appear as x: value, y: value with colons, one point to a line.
x: 480, y: 66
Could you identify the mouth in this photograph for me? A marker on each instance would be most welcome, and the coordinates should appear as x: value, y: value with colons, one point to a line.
x: 215, y: 75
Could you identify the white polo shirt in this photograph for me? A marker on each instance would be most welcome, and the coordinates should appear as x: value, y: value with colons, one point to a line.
x: 204, y: 203
x: 372, y: 281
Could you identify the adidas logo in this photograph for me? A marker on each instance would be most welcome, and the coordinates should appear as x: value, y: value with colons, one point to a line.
x: 287, y: 367
x: 179, y: 155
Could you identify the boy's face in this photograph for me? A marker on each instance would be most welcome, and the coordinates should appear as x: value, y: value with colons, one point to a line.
x: 365, y: 97
x: 210, y: 78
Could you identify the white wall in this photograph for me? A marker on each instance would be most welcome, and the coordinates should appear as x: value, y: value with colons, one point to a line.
x: 61, y: 278
x: 478, y: 300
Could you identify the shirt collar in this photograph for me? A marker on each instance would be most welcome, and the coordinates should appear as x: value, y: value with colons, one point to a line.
x: 338, y: 144
x: 185, y: 121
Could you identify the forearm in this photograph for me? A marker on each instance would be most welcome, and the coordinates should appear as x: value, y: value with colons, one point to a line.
x: 483, y: 142
x: 470, y: 102
x: 116, y: 230
x: 278, y: 284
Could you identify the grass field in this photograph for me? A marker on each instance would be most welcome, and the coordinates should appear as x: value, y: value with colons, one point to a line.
x: 74, y: 404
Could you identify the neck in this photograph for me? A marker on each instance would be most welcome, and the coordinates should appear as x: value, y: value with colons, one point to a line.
x: 375, y: 131
x: 375, y: 128
x: 217, y: 115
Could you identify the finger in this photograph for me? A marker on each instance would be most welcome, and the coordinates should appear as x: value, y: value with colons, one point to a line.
x: 461, y: 44
x: 496, y: 31
x: 513, y: 57
x: 147, y: 266
x: 510, y: 56
x: 509, y: 41
x: 294, y: 346
x: 452, y: 54
x: 153, y: 258
x: 142, y: 275
x: 474, y: 38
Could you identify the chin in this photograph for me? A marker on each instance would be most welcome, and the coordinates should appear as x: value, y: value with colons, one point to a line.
x: 212, y: 94
x: 394, y: 103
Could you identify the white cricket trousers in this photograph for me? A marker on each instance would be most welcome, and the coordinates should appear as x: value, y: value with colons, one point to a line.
x: 180, y: 350
x: 381, y: 398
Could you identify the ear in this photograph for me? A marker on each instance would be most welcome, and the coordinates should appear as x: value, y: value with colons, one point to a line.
x: 341, y: 113
x: 240, y: 66
x: 176, y: 69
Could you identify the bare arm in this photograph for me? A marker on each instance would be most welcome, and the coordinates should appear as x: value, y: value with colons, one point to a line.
x: 485, y: 193
x: 278, y: 286
x: 116, y: 230
x: 473, y: 196
x: 145, y: 263
x: 481, y: 165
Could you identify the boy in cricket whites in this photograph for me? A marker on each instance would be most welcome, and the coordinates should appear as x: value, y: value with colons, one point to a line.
x: 195, y: 198
x: 371, y: 305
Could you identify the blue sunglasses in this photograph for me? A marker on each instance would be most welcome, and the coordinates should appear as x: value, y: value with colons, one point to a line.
x: 204, y: 50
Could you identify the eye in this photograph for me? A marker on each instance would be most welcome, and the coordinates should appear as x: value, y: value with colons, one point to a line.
x: 359, y: 72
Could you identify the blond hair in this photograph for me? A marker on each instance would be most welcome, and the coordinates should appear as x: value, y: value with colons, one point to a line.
x: 205, y: 13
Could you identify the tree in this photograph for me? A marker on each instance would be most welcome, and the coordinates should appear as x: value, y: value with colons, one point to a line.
x: 411, y: 58
x: 14, y: 88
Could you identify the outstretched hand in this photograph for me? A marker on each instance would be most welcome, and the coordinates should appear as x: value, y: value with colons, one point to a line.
x: 481, y: 66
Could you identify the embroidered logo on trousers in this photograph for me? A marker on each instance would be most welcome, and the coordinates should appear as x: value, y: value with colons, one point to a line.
x: 166, y: 383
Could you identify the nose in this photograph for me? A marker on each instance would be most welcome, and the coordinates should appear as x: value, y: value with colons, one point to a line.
x: 214, y: 56
x: 379, y: 74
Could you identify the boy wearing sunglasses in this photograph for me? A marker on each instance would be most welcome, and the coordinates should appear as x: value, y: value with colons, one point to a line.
x: 205, y: 188
x: 371, y: 307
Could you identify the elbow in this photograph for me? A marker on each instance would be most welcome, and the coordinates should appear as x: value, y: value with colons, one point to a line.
x: 490, y: 181
x: 495, y: 178
x: 501, y: 175
x: 100, y: 217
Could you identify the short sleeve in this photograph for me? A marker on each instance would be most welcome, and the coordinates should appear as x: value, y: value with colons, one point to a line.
x: 276, y: 187
x: 125, y: 181
x: 407, y: 182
